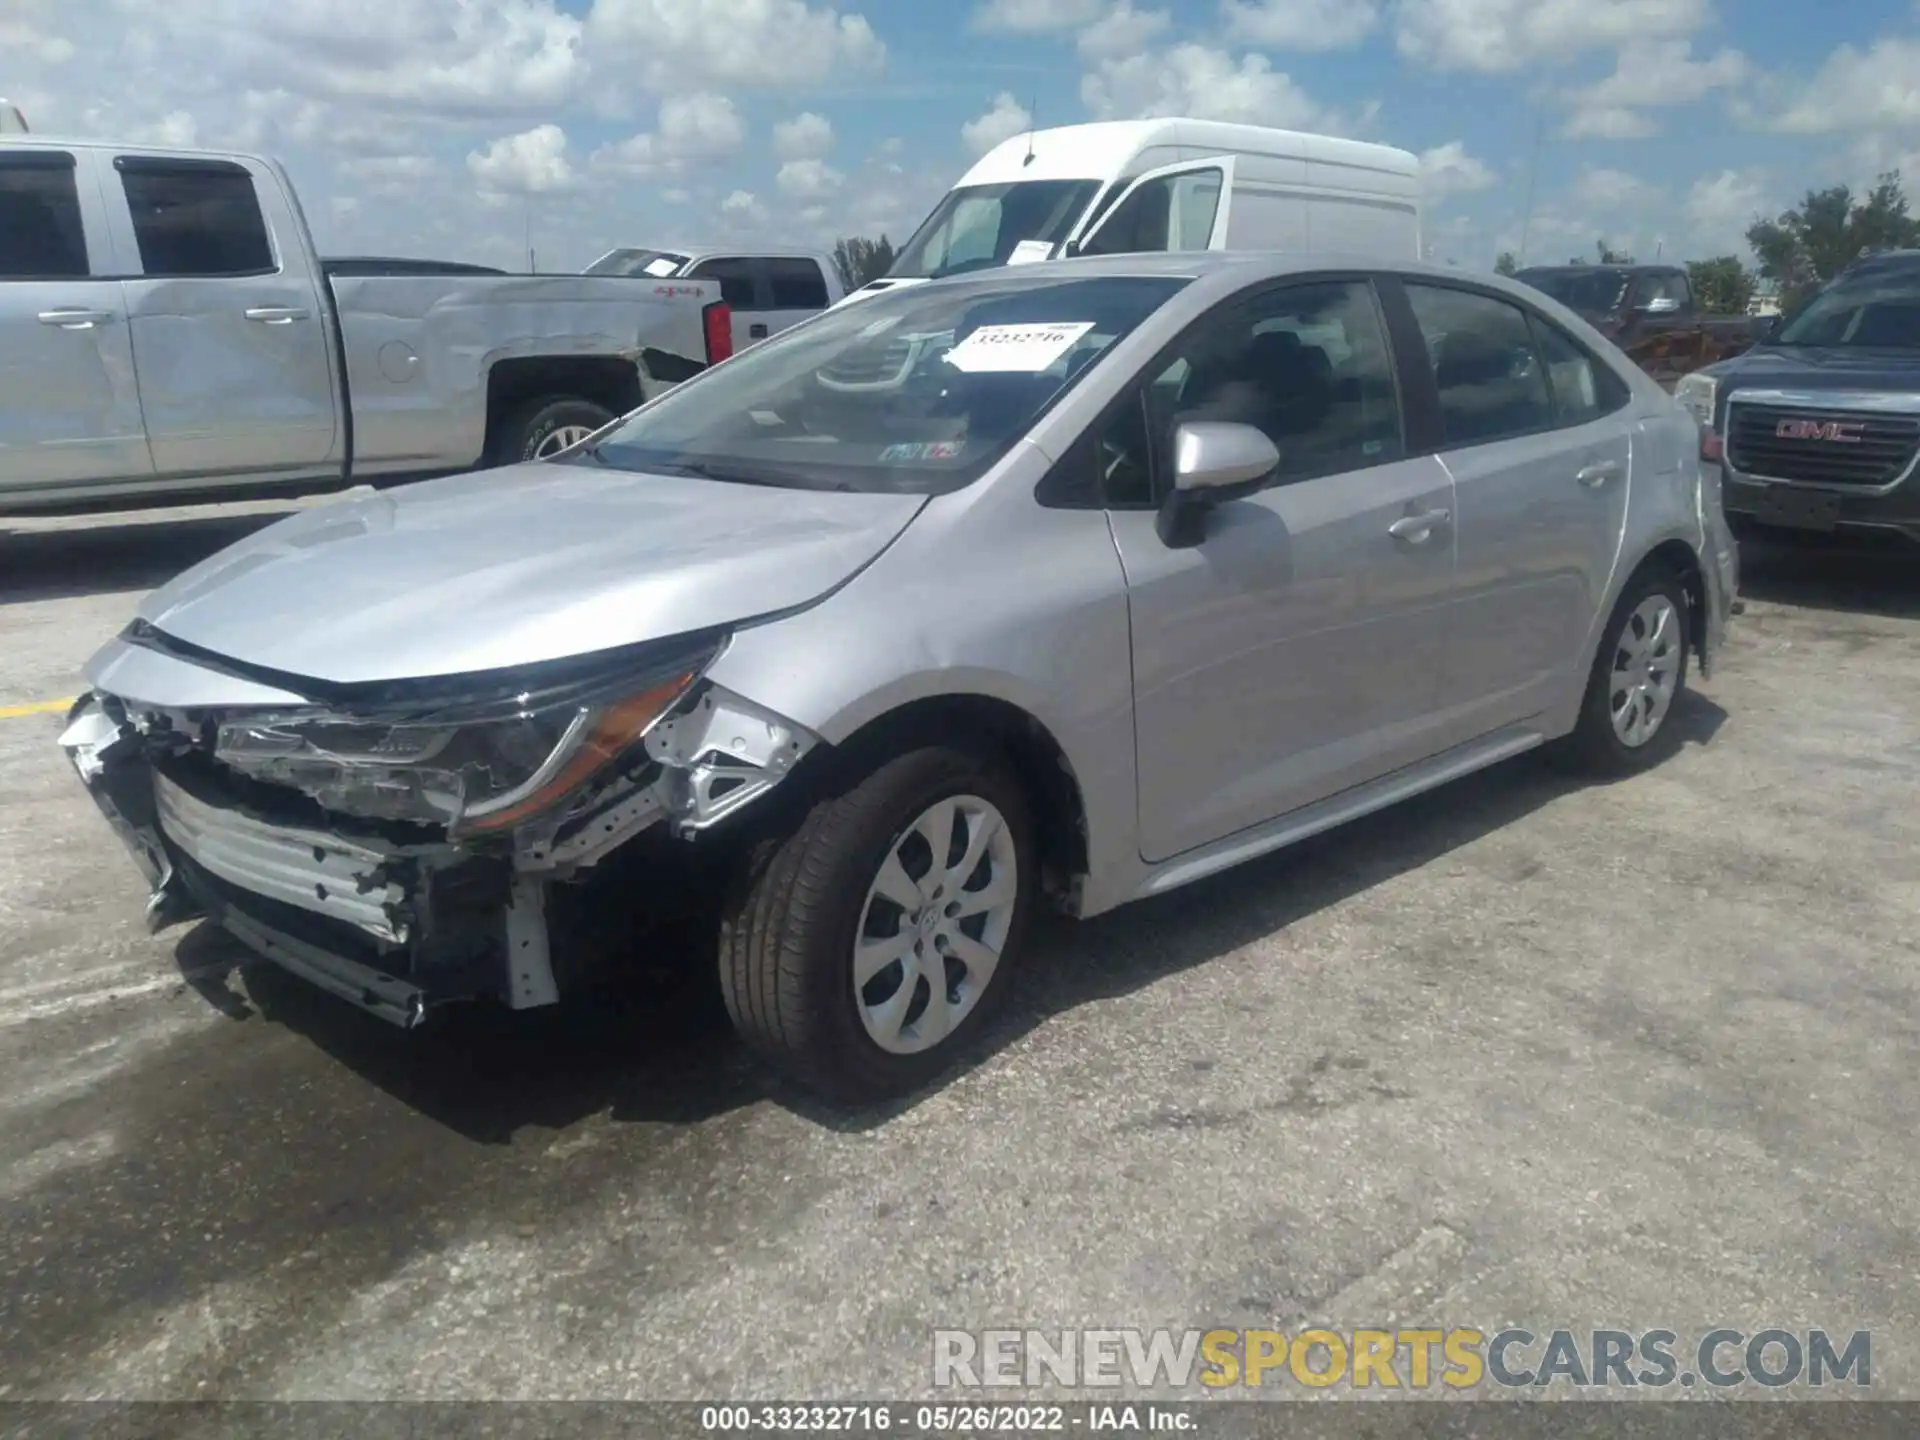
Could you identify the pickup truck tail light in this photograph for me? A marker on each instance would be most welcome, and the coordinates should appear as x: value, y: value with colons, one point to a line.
x: 717, y: 320
x: 1712, y: 447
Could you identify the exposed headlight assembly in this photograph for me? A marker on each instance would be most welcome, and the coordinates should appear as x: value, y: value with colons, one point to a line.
x: 475, y: 765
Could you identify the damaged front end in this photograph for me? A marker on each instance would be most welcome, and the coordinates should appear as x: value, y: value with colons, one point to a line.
x: 411, y: 844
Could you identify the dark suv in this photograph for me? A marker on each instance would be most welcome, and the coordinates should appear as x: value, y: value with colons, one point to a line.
x: 1818, y: 426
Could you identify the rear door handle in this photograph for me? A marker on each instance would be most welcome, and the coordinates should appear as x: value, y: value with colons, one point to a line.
x: 1594, y: 476
x: 1417, y: 529
x: 75, y: 319
x: 275, y: 314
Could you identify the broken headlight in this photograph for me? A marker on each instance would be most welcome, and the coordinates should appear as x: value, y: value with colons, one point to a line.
x: 474, y: 766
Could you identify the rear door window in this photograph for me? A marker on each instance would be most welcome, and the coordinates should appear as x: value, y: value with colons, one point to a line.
x: 1491, y: 380
x: 736, y: 277
x: 195, y: 217
x: 41, y: 234
x: 796, y: 284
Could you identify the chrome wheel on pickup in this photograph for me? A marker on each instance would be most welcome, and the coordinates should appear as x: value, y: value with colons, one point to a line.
x: 545, y: 428
x: 866, y: 943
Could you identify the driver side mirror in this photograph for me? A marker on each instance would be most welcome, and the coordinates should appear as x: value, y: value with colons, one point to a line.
x: 1213, y: 462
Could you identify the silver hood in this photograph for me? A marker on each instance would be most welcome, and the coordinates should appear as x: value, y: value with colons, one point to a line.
x: 509, y: 567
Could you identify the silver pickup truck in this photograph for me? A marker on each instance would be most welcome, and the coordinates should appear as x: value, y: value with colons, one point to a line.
x: 167, y: 330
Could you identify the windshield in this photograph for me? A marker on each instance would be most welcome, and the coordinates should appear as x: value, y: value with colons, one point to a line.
x: 1597, y: 292
x: 915, y: 391
x: 1877, y: 309
x: 658, y: 263
x: 980, y: 225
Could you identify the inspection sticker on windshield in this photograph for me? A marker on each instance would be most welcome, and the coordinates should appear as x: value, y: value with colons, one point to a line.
x: 1026, y: 348
x: 1030, y: 252
x: 926, y: 450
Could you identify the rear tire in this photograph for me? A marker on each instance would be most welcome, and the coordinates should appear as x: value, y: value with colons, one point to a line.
x: 1639, y: 676
x: 814, y: 906
x: 543, y: 428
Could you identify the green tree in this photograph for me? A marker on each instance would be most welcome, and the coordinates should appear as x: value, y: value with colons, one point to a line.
x: 1506, y: 264
x: 1827, y: 231
x: 1721, y: 286
x: 861, y: 261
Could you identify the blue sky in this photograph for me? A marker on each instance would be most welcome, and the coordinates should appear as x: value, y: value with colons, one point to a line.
x: 449, y: 127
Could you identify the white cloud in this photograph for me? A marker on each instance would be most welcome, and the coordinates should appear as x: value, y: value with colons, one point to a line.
x: 1302, y: 24
x: 1650, y: 74
x: 1504, y: 35
x: 1721, y: 207
x: 699, y: 126
x: 1122, y: 31
x: 672, y: 45
x: 534, y: 162
x: 808, y: 179
x: 1005, y: 119
x: 473, y: 55
x: 1860, y: 89
x: 1208, y: 84
x: 1032, y: 17
x: 28, y: 33
x: 176, y: 128
x: 1449, y: 170
x: 743, y: 208
x: 1601, y: 188
x: 806, y: 136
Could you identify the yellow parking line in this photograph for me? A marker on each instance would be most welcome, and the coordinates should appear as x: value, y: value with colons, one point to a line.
x: 38, y: 707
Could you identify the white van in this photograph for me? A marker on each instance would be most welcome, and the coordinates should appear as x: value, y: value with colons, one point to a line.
x: 1126, y: 186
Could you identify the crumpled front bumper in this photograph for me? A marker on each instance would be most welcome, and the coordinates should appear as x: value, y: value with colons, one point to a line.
x: 344, y: 914
x: 400, y: 928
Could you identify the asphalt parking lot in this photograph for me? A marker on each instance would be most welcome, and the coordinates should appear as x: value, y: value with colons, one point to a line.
x: 1638, y: 1055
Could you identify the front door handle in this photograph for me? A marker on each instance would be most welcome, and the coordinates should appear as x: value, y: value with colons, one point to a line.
x: 1417, y: 529
x: 276, y: 314
x: 1594, y: 476
x: 75, y: 319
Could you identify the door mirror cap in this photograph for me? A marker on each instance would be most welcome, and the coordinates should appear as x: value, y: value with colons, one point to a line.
x: 1213, y: 462
x: 1214, y: 455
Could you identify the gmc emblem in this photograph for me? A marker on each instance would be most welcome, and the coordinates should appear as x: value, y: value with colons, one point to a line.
x: 1838, y: 432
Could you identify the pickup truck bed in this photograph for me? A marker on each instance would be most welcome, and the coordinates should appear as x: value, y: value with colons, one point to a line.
x: 1649, y: 311
x: 167, y: 331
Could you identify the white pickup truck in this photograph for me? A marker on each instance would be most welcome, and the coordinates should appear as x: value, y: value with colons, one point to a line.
x: 167, y: 331
x: 768, y: 290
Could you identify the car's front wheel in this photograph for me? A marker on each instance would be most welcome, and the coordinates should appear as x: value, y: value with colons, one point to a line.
x: 863, y: 948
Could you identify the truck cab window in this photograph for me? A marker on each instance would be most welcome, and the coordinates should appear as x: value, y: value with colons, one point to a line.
x: 41, y: 237
x: 736, y: 281
x: 797, y: 284
x: 195, y: 218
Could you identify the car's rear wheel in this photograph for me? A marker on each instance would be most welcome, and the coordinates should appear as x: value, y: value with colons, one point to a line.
x: 863, y: 948
x: 545, y: 428
x: 1638, y: 676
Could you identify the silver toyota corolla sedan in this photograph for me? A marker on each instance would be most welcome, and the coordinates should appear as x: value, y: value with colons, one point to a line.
x: 1069, y: 583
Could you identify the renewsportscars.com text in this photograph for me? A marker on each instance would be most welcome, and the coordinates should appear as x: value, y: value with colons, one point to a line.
x: 1400, y: 1359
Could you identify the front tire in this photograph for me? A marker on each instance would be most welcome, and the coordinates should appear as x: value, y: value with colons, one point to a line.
x: 864, y: 948
x: 544, y: 428
x: 1639, y: 674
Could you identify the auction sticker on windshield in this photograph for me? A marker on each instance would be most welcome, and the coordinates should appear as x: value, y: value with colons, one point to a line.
x: 1028, y: 348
